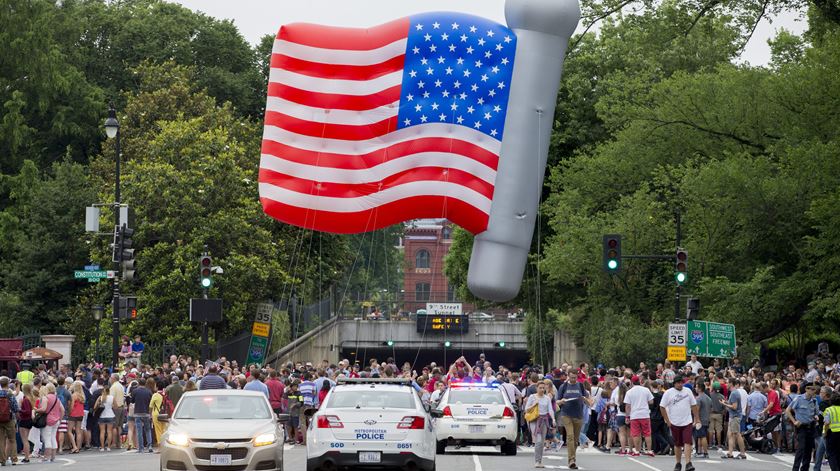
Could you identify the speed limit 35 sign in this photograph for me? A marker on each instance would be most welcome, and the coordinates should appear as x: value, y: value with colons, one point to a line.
x: 676, y: 342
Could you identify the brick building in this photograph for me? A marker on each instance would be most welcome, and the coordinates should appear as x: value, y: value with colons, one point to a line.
x: 425, y: 244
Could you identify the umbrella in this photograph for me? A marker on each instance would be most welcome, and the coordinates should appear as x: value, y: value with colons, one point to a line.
x: 41, y: 353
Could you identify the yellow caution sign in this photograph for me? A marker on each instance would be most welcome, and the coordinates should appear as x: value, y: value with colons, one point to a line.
x: 676, y: 353
x: 262, y: 329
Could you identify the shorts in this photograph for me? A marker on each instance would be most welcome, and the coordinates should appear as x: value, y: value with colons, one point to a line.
x: 74, y: 419
x: 682, y: 435
x: 702, y: 432
x: 294, y: 421
x: 119, y: 415
x: 716, y: 422
x: 734, y: 425
x: 107, y: 420
x: 639, y: 427
x: 621, y: 420
x: 62, y: 426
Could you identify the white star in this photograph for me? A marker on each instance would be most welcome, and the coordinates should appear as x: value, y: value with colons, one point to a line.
x: 442, y: 117
x: 473, y: 29
x: 416, y: 50
x: 474, y: 87
x: 495, y: 69
x: 418, y: 108
x: 463, y: 96
x: 444, y: 36
x: 449, y: 71
x: 426, y: 94
x: 467, y: 73
x: 497, y: 108
x: 486, y: 115
x: 460, y: 119
x: 508, y: 39
x: 480, y: 41
x: 501, y: 84
x: 484, y: 78
x: 424, y: 61
x: 470, y: 50
x: 488, y: 54
x: 478, y: 64
x: 407, y: 122
x: 412, y: 74
x: 505, y: 61
x: 430, y: 71
x: 409, y: 97
x: 481, y: 101
x: 492, y: 93
x: 457, y: 84
x: 445, y: 93
x: 433, y: 48
x: 477, y: 125
x: 455, y: 25
x: 423, y: 119
x: 428, y: 37
x: 438, y: 83
x: 441, y: 60
x: 420, y: 84
x: 419, y: 27
x: 498, y: 47
x: 463, y: 38
x: 470, y: 109
x: 493, y: 133
x: 454, y: 106
x: 451, y: 48
x: 490, y: 33
x: 435, y: 25
x: 460, y: 61
x: 435, y: 106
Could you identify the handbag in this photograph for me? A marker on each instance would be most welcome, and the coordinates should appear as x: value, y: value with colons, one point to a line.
x: 40, y: 420
x: 532, y: 413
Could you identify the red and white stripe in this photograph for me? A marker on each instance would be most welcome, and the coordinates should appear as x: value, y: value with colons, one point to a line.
x: 332, y: 157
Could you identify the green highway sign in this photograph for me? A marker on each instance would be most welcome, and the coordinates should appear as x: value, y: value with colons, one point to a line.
x: 711, y: 339
x: 93, y: 276
x: 257, y: 350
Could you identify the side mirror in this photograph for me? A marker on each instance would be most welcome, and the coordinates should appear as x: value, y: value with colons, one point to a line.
x: 283, y: 418
x: 436, y: 413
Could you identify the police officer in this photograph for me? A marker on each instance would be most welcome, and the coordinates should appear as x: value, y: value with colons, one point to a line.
x: 25, y: 376
x: 803, y: 413
x: 832, y: 432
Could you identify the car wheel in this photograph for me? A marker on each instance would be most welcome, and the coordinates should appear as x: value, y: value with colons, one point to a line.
x: 509, y: 448
x: 441, y: 447
x: 311, y: 466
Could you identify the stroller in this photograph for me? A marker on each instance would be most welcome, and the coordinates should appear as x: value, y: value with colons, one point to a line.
x: 758, y: 436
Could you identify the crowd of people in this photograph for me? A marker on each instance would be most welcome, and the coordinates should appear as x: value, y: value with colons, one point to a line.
x: 638, y: 411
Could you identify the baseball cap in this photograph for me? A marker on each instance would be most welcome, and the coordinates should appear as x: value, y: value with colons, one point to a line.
x: 678, y: 379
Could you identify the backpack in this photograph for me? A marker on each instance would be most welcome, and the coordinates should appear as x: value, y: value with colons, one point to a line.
x: 166, y: 409
x: 5, y: 409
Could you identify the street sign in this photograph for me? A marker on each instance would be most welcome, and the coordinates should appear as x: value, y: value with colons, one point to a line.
x: 260, y: 333
x: 93, y: 276
x: 91, y: 267
x: 676, y: 335
x: 444, y: 308
x: 257, y: 350
x: 711, y: 339
x: 676, y: 353
x: 260, y: 329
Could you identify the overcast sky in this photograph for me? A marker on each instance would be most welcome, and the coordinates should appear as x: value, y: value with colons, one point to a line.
x: 256, y: 18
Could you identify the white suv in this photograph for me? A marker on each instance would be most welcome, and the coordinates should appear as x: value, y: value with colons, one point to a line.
x: 476, y: 414
x: 371, y: 423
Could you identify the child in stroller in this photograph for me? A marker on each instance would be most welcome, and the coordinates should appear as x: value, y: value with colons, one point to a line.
x: 758, y: 436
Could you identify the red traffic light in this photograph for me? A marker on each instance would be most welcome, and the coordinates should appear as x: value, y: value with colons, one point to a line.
x: 682, y: 255
x: 205, y: 261
x: 612, y: 243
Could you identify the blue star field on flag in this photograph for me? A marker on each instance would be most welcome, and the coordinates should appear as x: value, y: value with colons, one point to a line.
x: 458, y: 70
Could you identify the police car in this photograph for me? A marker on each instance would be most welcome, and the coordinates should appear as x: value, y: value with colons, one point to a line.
x: 371, y: 423
x: 476, y: 414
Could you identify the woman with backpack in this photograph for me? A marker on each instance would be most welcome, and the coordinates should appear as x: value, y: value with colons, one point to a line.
x: 160, y: 404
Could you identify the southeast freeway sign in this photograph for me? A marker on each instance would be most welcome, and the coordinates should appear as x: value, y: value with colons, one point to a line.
x: 711, y: 339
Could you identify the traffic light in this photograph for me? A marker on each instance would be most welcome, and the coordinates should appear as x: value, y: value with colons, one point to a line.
x: 388, y: 343
x: 205, y: 265
x: 612, y: 253
x: 447, y: 344
x: 127, y: 259
x: 681, y: 266
x: 692, y: 309
x: 128, y: 307
x: 500, y: 344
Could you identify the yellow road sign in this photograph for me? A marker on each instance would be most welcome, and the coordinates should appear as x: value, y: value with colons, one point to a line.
x: 262, y: 329
x: 676, y: 353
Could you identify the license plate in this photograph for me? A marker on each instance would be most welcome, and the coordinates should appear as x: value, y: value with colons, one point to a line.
x: 220, y: 460
x: 476, y: 429
x: 370, y: 457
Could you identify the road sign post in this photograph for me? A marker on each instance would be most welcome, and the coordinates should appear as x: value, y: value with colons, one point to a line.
x: 711, y: 339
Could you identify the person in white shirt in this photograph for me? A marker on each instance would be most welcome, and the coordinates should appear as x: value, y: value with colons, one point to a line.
x: 694, y: 364
x: 679, y: 409
x: 638, y: 400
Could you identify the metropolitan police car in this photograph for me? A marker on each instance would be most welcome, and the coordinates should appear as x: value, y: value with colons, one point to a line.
x: 371, y: 423
x: 476, y: 414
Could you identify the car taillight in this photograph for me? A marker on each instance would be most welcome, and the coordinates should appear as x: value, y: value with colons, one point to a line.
x: 447, y: 412
x: 412, y: 423
x: 508, y: 413
x: 329, y: 421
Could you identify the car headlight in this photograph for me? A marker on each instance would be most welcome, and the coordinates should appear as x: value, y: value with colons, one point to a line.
x: 265, y: 439
x: 178, y: 439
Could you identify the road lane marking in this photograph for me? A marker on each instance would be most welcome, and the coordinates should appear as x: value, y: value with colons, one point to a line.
x: 477, y: 463
x: 652, y: 468
x: 69, y: 461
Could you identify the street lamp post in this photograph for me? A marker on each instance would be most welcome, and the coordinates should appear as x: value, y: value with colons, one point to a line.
x: 112, y: 130
x: 98, y: 312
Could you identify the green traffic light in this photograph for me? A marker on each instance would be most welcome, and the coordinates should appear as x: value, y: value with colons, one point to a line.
x: 390, y: 343
x: 447, y: 344
x: 206, y: 282
x: 502, y: 344
x: 681, y: 277
x: 612, y: 264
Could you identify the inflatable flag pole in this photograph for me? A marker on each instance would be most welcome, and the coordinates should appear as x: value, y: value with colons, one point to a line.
x: 543, y: 29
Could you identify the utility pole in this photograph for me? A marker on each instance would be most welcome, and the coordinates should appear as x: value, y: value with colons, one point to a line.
x: 112, y: 130
x: 677, y: 317
x: 205, y: 287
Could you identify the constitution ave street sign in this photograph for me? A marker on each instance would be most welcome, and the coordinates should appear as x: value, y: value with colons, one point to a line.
x: 711, y: 339
x: 93, y: 276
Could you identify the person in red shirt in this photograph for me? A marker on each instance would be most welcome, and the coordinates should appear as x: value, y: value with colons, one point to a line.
x: 275, y: 391
x: 774, y: 408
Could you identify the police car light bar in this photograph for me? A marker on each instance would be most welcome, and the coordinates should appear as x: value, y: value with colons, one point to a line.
x: 402, y: 381
x: 473, y: 385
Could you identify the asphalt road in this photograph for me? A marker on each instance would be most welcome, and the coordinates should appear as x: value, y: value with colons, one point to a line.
x: 466, y: 459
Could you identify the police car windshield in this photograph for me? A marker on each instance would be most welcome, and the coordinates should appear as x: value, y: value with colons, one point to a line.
x: 476, y: 396
x: 222, y: 407
x: 372, y: 399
